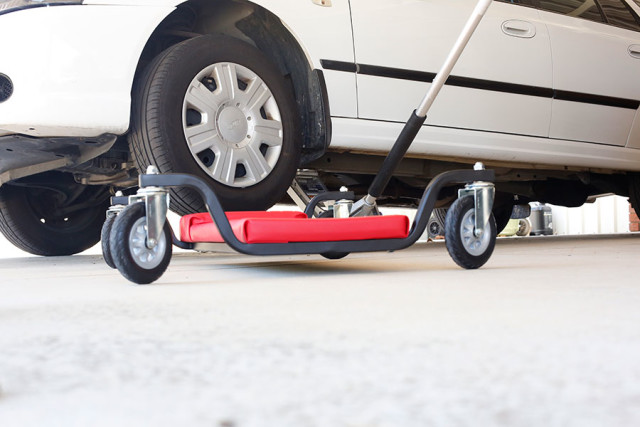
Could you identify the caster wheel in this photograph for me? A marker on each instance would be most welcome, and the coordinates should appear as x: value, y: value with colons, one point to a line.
x: 127, y: 243
x: 434, y: 229
x: 468, y: 250
x: 104, y: 240
x: 524, y: 227
x: 435, y: 226
x: 335, y: 255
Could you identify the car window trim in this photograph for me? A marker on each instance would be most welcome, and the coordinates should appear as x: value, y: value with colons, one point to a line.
x: 629, y: 9
x: 536, y: 4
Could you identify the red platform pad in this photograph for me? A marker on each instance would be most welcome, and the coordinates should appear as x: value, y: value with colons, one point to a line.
x: 288, y: 227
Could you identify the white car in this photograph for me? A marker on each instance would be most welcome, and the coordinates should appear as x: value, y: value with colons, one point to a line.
x: 247, y: 92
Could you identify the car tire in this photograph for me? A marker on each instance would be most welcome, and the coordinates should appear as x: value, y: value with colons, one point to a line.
x: 33, y: 220
x: 218, y: 108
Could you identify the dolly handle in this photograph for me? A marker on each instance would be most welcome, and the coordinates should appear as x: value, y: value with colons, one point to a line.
x: 418, y: 117
x: 454, y: 55
x: 393, y: 159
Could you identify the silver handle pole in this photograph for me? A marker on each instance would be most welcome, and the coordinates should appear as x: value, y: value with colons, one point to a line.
x: 453, y: 57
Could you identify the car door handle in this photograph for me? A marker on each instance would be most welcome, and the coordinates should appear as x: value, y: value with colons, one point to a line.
x: 634, y: 50
x: 517, y: 28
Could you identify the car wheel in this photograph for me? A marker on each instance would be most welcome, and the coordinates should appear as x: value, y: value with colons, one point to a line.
x: 216, y: 107
x: 52, y: 223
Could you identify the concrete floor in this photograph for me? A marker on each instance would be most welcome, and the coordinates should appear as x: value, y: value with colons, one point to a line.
x: 546, y: 334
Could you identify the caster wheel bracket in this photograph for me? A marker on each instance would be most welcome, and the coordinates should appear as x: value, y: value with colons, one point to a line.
x: 156, y: 200
x: 483, y: 195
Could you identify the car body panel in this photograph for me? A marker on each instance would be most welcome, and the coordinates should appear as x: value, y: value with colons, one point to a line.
x: 72, y: 80
x: 75, y: 80
x: 495, y: 149
x: 634, y: 135
x: 90, y: 65
x: 322, y: 32
x: 426, y: 32
x: 592, y: 58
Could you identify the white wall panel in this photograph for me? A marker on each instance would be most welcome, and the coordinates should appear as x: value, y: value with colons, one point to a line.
x: 606, y: 215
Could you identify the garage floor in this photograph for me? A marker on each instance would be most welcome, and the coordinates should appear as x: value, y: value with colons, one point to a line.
x: 546, y: 334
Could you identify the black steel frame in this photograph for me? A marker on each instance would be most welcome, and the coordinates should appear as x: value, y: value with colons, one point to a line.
x: 426, y: 206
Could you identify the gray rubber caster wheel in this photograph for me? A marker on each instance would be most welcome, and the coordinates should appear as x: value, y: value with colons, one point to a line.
x: 127, y: 243
x: 105, y: 235
x: 468, y: 250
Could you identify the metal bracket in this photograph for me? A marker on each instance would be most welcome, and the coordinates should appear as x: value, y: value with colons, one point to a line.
x: 366, y: 206
x: 300, y: 197
x: 483, y: 194
x: 156, y: 200
x: 116, y: 208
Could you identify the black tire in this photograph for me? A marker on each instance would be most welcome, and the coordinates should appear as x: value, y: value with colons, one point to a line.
x: 127, y: 247
x: 335, y: 255
x: 158, y: 135
x: 104, y: 240
x: 33, y: 218
x: 466, y: 250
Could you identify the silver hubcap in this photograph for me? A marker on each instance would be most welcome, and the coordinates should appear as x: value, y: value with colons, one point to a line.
x: 143, y: 256
x: 232, y: 124
x: 475, y: 246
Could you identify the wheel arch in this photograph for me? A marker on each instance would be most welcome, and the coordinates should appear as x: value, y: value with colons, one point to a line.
x: 260, y: 27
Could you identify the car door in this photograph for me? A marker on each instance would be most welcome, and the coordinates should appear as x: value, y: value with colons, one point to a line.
x: 502, y: 82
x: 595, y: 47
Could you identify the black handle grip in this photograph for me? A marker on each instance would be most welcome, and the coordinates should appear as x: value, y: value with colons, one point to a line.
x: 393, y: 159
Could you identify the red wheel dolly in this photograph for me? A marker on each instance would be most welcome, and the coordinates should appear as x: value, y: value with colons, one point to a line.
x: 137, y: 239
